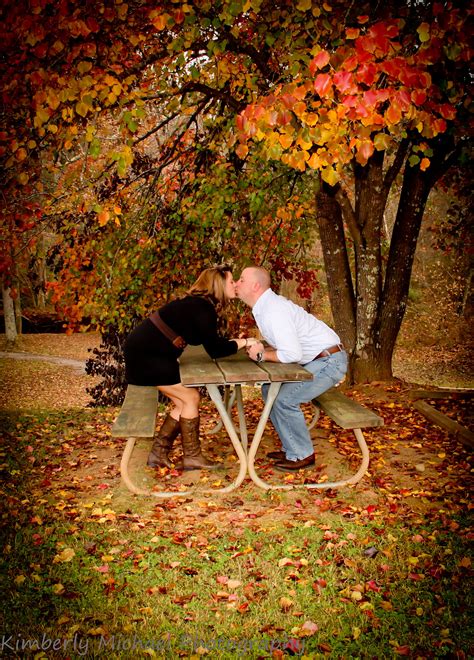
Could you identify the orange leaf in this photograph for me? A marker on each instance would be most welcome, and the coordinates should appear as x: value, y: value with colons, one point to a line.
x: 160, y: 21
x: 285, y: 140
x: 366, y: 149
x: 103, y: 217
x: 352, y: 33
x: 241, y: 151
x: 393, y: 114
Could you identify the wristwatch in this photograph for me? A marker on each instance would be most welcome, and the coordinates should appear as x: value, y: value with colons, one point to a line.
x: 260, y: 357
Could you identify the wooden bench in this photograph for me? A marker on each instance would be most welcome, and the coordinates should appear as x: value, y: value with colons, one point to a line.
x: 347, y: 414
x: 136, y: 419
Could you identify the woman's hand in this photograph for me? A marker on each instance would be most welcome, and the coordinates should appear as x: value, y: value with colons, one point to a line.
x: 250, y: 341
x: 245, y: 342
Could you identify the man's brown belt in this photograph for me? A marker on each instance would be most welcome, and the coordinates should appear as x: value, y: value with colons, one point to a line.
x: 329, y: 351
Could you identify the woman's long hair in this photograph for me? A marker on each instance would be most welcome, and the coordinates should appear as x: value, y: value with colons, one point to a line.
x: 211, y: 283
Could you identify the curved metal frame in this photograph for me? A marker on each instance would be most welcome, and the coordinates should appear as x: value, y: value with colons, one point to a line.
x: 240, y: 445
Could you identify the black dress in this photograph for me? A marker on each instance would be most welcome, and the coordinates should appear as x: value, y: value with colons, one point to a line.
x: 151, y: 358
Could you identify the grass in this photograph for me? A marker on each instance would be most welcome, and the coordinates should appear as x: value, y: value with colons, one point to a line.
x: 84, y: 573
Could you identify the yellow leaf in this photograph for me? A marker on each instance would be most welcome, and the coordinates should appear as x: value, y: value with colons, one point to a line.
x: 82, y: 108
x: 23, y: 178
x: 19, y: 580
x: 58, y: 588
x: 381, y: 141
x: 42, y: 116
x: 304, y: 5
x: 66, y: 555
x: 330, y: 175
x: 304, y: 144
x: 52, y: 100
x: 84, y: 66
x: 385, y: 605
x: 285, y: 603
x: 424, y: 32
x: 356, y: 633
x: 315, y: 162
x: 299, y: 108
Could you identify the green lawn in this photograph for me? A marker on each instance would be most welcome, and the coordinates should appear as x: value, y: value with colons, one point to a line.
x: 87, y: 571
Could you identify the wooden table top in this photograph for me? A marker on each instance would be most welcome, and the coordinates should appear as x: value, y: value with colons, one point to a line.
x: 197, y: 368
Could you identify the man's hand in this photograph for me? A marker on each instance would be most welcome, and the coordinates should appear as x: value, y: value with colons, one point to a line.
x: 255, y: 348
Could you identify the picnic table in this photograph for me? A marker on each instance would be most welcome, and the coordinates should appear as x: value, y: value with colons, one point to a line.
x: 219, y: 377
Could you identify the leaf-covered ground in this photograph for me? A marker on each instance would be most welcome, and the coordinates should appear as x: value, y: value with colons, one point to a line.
x: 383, y: 569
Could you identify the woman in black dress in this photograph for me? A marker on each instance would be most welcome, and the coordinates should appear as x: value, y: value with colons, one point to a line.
x: 151, y: 358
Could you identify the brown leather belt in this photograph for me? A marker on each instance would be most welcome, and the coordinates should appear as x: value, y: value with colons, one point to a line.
x: 174, y: 338
x: 329, y: 351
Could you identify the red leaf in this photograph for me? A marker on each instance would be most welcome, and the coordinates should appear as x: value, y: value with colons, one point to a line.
x: 403, y: 650
x: 319, y: 62
x: 344, y: 82
x: 367, y: 73
x: 322, y: 83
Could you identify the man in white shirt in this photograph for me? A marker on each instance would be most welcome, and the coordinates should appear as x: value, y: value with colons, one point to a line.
x: 292, y: 335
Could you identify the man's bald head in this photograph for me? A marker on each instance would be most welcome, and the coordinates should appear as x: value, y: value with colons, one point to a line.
x: 253, y: 281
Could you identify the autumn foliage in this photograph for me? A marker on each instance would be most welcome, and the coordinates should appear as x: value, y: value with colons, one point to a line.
x: 155, y: 138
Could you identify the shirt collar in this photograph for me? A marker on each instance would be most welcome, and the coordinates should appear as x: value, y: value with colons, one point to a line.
x: 261, y: 301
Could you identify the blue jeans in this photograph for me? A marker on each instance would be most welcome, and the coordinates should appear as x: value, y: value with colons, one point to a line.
x: 286, y: 414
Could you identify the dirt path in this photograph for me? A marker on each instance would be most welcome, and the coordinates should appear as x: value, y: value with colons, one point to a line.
x: 64, y: 362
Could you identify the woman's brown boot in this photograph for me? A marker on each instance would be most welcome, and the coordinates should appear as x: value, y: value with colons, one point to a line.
x: 158, y: 456
x: 192, y: 456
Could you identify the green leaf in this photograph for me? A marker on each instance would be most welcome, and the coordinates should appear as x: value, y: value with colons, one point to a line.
x: 94, y: 148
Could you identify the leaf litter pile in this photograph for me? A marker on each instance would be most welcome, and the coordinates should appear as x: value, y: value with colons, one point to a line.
x: 382, y: 569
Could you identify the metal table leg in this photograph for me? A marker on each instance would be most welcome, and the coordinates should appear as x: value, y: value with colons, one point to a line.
x: 230, y: 428
x: 242, y: 421
x: 272, y: 394
x: 229, y: 400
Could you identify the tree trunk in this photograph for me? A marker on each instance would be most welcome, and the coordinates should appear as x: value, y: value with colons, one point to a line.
x: 17, y: 308
x: 369, y: 320
x: 370, y: 200
x: 336, y: 261
x: 9, y: 316
x: 413, y: 197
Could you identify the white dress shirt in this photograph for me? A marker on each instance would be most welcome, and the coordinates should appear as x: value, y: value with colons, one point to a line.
x: 296, y: 335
